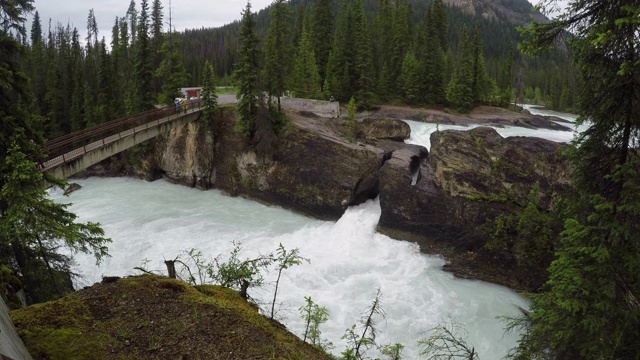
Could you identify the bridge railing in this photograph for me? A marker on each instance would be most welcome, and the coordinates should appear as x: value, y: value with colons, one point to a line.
x: 67, y: 143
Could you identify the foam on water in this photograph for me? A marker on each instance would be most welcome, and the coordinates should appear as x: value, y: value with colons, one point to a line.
x: 421, y: 132
x: 348, y: 260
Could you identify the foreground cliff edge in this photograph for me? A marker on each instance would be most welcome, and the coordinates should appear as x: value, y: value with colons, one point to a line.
x: 153, y: 317
x: 444, y: 200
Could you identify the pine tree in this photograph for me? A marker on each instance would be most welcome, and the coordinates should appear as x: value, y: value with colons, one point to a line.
x: 590, y: 307
x: 32, y: 226
x: 460, y: 89
x: 305, y: 76
x: 171, y: 70
x: 157, y: 39
x: 247, y: 74
x: 433, y: 63
x: 277, y: 51
x: 144, y: 96
x: 339, y: 65
x: 321, y: 30
x: 208, y: 94
x: 411, y: 79
x: 132, y: 19
x: 402, y: 35
x: 362, y: 58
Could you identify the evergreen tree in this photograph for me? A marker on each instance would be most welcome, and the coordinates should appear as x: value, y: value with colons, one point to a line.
x: 171, y: 70
x: 132, y: 19
x: 362, y: 58
x: 305, y: 76
x: 157, y: 39
x: 321, y: 30
x: 208, y: 94
x: 383, y: 43
x: 247, y: 74
x: 32, y: 227
x: 590, y: 308
x: 106, y: 80
x: 339, y: 66
x: 277, y: 51
x: 411, y: 79
x: 144, y: 96
x: 76, y: 112
x: 384, y: 90
x: 36, y: 30
x: 402, y: 34
x: 460, y: 89
x: 433, y: 63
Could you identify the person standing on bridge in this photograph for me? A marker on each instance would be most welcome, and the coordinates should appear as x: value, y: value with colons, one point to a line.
x: 185, y: 105
x: 177, y: 102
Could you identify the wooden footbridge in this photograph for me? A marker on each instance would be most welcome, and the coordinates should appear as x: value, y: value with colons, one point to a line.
x: 77, y: 151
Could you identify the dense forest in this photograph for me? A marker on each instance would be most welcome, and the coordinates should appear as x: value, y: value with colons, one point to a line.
x: 376, y: 50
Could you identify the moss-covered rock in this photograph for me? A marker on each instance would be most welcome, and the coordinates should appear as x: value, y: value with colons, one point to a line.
x: 151, y: 317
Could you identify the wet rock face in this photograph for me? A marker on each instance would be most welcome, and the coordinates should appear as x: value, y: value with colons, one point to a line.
x: 480, y: 164
x: 186, y: 156
x: 310, y: 174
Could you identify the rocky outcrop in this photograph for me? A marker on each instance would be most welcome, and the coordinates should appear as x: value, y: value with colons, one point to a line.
x: 186, y: 156
x: 71, y: 188
x: 378, y: 129
x: 312, y: 174
x: 469, y: 179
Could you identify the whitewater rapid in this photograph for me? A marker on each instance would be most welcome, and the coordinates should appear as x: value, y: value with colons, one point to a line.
x: 348, y: 260
x: 421, y: 132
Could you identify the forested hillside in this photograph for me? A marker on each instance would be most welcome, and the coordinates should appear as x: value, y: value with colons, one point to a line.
x: 548, y: 80
x: 454, y: 54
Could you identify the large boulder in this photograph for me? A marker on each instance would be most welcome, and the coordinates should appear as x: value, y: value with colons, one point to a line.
x: 377, y: 129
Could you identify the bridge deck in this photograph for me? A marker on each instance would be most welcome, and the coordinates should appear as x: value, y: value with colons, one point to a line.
x: 71, y: 147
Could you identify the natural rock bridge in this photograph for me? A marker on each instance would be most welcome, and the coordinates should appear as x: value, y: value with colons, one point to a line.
x: 72, y: 153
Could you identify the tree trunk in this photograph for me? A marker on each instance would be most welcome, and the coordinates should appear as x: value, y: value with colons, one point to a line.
x: 171, y: 268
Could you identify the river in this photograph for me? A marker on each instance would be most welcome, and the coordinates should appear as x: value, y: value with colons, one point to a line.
x: 349, y: 260
x: 421, y: 132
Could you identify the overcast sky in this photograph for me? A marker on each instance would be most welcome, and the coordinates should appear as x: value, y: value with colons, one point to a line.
x: 186, y: 14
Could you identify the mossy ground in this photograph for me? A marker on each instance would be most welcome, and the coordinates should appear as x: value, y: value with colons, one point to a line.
x: 151, y: 317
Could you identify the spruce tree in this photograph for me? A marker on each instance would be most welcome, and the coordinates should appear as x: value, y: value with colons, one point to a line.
x: 208, y: 94
x: 247, y: 74
x: 144, y: 96
x: 589, y: 308
x: 171, y: 71
x: 32, y: 226
x: 157, y: 39
x: 411, y: 79
x: 362, y: 58
x: 321, y: 30
x: 340, y: 63
x: 460, y: 89
x: 305, y: 78
x: 277, y: 51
